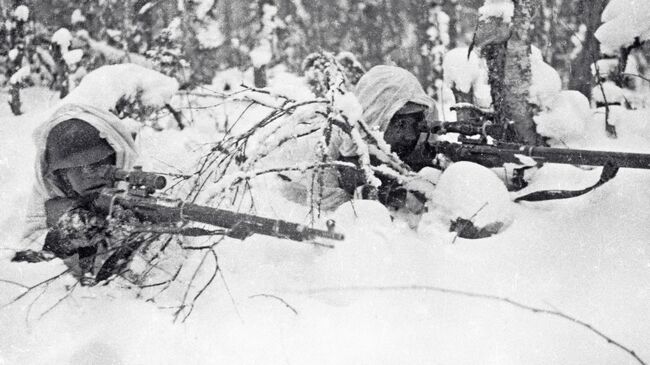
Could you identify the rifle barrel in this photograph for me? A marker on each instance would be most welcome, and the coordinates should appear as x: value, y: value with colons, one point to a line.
x: 585, y: 157
x: 160, y: 210
x: 497, y: 155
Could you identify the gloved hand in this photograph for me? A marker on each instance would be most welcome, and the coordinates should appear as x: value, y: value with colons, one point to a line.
x: 239, y: 231
x: 332, y: 198
x: 78, y: 227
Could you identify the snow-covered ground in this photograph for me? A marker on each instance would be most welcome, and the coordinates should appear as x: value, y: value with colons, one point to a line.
x: 385, y: 295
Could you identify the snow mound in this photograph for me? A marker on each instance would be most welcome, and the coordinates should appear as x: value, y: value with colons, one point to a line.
x: 630, y: 123
x: 63, y: 38
x: 228, y: 80
x: 545, y: 83
x: 210, y: 36
x: 203, y: 8
x: 21, y: 75
x: 13, y: 53
x: 624, y: 20
x: 123, y: 81
x: 462, y: 72
x: 262, y: 54
x: 360, y: 212
x: 609, y: 92
x: 504, y: 9
x: 566, y: 118
x: 21, y: 13
x: 73, y: 57
x: 77, y: 17
x: 472, y: 192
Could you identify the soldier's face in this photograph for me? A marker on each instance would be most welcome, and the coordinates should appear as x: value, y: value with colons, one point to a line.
x: 403, y: 132
x: 85, y: 181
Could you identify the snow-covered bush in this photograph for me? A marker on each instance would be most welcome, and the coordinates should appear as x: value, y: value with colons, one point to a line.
x: 624, y: 21
x: 565, y: 119
x: 320, y: 70
x: 166, y: 53
x: 353, y: 68
x: 128, y: 90
x: 545, y: 81
x: 471, y: 200
x: 467, y: 74
x: 608, y: 93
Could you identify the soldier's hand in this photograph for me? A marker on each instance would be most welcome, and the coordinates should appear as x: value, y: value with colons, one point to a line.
x: 332, y: 198
x: 55, y: 208
x: 80, y: 225
x: 239, y: 231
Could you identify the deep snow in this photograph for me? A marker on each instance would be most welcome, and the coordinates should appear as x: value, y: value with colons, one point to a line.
x: 285, y: 302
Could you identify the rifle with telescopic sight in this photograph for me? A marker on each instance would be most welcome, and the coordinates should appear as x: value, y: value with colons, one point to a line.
x: 483, y: 144
x: 140, y: 198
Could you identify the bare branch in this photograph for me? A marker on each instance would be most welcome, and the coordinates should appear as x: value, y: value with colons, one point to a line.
x: 636, y: 75
x: 463, y: 293
x: 470, y: 220
x: 30, y: 288
x: 276, y: 298
x: 14, y: 283
x: 63, y: 298
x: 207, y: 284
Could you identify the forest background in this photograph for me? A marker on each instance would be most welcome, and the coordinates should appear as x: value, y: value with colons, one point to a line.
x: 193, y: 40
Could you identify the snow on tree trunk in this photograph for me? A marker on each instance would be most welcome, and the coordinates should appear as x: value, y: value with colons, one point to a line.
x: 509, y: 64
x: 518, y: 75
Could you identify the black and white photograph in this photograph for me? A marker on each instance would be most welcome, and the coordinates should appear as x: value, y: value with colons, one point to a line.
x: 324, y: 182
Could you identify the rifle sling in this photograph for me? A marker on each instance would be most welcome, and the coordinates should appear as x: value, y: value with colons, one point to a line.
x: 609, y: 171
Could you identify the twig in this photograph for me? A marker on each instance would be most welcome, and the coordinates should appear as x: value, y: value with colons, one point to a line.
x: 232, y: 299
x: 30, y: 288
x: 469, y: 220
x: 66, y: 296
x: 14, y: 283
x: 167, y: 284
x: 207, y: 284
x: 178, y: 116
x: 276, y: 298
x: 536, y: 310
x: 636, y: 75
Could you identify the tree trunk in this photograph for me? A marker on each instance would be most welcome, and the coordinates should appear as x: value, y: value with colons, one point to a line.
x: 517, y: 77
x: 15, y: 103
x: 506, y: 48
x: 259, y: 76
x: 495, y: 56
x: 581, y: 78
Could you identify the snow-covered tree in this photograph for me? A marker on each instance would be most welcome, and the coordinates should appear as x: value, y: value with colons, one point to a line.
x: 504, y: 36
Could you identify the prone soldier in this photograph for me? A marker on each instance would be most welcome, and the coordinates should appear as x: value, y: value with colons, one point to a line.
x: 61, y: 217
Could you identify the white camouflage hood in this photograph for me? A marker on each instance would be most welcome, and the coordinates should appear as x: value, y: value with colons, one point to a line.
x: 109, y: 127
x: 384, y: 90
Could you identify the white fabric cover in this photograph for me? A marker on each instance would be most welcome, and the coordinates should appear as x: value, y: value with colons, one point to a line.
x: 384, y: 90
x: 109, y: 127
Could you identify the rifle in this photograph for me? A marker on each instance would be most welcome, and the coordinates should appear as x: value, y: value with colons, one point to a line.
x: 139, y: 197
x: 496, y: 153
x: 166, y: 215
